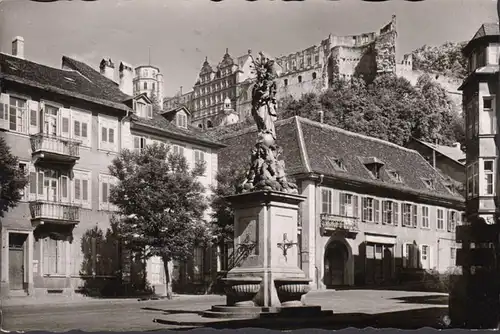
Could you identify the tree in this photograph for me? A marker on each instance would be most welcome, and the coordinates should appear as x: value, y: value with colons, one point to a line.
x: 161, y: 204
x: 157, y: 104
x: 227, y: 182
x: 444, y: 59
x: 12, y: 179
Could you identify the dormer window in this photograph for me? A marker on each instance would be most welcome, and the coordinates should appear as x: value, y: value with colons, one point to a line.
x: 181, y: 120
x: 395, y: 176
x: 143, y: 110
x: 337, y: 163
x: 429, y: 183
x: 374, y: 169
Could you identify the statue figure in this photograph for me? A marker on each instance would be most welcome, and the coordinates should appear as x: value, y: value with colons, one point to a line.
x: 266, y: 170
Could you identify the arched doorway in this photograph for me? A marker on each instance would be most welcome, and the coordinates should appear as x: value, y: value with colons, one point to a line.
x: 336, y: 255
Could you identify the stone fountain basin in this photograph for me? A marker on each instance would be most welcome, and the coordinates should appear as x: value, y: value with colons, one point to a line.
x: 242, y: 286
x: 291, y: 290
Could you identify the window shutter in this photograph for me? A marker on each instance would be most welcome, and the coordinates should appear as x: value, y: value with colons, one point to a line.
x: 395, y: 213
x: 34, y: 110
x: 135, y: 106
x: 342, y: 204
x: 32, y: 182
x: 448, y: 223
x: 85, y: 190
x: 4, y: 111
x: 404, y: 253
x: 65, y: 121
x: 40, y: 183
x: 376, y: 210
x: 355, y: 206
x: 104, y: 134
x: 76, y: 128
x: 150, y: 111
x: 78, y: 189
x: 84, y: 130
x: 137, y: 142
x: 111, y: 136
x: 64, y: 187
x: 363, y: 209
x: 414, y: 216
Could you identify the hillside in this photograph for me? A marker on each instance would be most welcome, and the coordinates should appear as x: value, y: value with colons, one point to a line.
x: 445, y: 59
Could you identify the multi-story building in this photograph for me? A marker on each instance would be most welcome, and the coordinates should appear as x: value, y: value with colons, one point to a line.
x: 374, y: 211
x: 66, y: 126
x: 180, y: 99
x: 148, y: 79
x: 478, y: 256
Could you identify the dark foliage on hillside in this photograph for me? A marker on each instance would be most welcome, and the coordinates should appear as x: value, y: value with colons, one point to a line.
x: 446, y: 59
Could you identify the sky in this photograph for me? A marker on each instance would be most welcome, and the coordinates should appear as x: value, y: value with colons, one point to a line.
x: 181, y: 33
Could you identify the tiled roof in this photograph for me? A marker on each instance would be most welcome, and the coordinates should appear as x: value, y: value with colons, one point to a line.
x: 311, y: 147
x: 486, y: 31
x: 82, y: 79
x: 193, y: 134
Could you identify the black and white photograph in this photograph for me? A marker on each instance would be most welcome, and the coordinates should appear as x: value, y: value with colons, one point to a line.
x: 235, y: 164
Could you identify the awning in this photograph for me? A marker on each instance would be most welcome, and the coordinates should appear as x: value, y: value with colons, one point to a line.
x: 380, y: 239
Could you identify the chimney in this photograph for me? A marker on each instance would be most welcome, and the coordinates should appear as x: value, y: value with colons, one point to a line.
x: 249, y: 51
x: 321, y: 116
x: 18, y: 47
x: 457, y: 145
x: 126, y: 78
x: 107, y: 68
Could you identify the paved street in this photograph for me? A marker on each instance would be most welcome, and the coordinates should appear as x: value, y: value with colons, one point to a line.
x: 121, y: 315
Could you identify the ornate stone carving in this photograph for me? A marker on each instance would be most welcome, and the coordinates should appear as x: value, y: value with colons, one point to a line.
x: 266, y: 171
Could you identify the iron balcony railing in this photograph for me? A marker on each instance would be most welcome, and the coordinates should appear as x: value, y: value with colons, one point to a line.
x: 42, y: 142
x: 330, y: 222
x: 55, y: 211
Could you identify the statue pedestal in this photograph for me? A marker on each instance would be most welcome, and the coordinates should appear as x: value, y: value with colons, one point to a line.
x: 266, y: 278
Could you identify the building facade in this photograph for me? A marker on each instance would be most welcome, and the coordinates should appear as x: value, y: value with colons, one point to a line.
x: 66, y: 126
x: 374, y: 212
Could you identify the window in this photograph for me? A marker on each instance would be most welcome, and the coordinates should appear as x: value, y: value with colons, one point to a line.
x: 139, y: 143
x: 108, y: 134
x: 82, y: 189
x: 429, y: 183
x: 371, y: 210
x: 181, y: 120
x: 145, y: 85
x: 105, y: 184
x: 409, y: 215
x: 425, y: 217
x: 285, y: 82
x: 487, y: 103
x: 314, y: 75
x: 452, y: 220
x: 178, y: 149
x: 316, y: 59
x: 17, y: 114
x: 54, y: 257
x: 348, y: 205
x: 374, y: 169
x: 394, y: 175
x: 300, y: 78
x: 425, y: 256
x: 493, y: 49
x: 387, y: 212
x: 326, y: 201
x: 488, y: 177
x: 153, y: 86
x: 440, y: 219
x: 82, y: 121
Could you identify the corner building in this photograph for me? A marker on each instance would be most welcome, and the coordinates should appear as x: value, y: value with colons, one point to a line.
x: 66, y: 126
x: 375, y: 213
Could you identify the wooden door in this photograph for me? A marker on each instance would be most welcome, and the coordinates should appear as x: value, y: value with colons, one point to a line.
x: 16, y: 267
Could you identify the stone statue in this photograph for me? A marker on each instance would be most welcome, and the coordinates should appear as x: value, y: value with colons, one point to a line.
x: 266, y: 171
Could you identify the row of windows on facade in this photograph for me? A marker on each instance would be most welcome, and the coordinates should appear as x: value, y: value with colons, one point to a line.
x: 144, y: 86
x: 214, y: 100
x: 293, y: 64
x: 481, y: 119
x: 484, y: 55
x: 145, y: 72
x: 209, y: 89
x: 299, y: 79
x: 388, y: 212
x: 31, y: 117
x: 219, y: 74
x: 481, y: 178
x: 25, y: 116
x: 66, y: 187
x: 140, y: 142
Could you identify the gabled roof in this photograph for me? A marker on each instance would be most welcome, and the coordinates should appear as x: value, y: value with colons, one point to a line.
x: 487, y: 32
x: 143, y: 96
x: 78, y: 80
x: 176, y: 110
x: 310, y: 147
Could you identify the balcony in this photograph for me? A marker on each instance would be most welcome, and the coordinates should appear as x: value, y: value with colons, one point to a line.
x: 54, y: 212
x: 55, y: 149
x: 334, y: 224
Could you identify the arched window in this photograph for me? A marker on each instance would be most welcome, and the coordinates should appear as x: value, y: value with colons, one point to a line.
x: 300, y: 78
x: 200, y: 126
x: 285, y: 82
x: 209, y: 124
x: 314, y: 75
